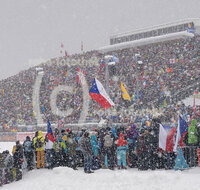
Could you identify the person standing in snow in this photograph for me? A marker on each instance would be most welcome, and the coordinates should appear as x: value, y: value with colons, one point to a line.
x: 109, y: 149
x: 8, y: 166
x: 71, y: 151
x: 86, y: 148
x: 28, y: 152
x: 49, y: 153
x: 122, y: 147
x: 18, y: 161
x: 193, y: 142
x: 2, y: 169
x: 38, y: 143
x: 95, y: 159
x: 132, y: 135
x: 60, y: 150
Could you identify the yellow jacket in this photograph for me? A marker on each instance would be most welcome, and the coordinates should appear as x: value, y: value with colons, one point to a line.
x: 42, y: 140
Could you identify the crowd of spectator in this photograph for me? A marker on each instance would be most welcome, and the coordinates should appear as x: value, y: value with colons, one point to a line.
x: 165, y: 69
x: 110, y: 147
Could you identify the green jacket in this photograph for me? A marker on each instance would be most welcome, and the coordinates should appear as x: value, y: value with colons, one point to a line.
x: 71, y: 146
x: 193, y: 133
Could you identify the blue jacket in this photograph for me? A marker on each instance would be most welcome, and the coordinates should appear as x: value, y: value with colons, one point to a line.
x: 94, y: 145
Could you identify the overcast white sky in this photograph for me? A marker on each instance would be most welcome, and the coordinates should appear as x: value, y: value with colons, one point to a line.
x: 32, y: 30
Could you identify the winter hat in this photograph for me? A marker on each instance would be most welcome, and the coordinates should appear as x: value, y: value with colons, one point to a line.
x: 62, y: 131
x: 68, y: 130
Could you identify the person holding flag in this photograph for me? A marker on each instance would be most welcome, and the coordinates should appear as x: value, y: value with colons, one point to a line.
x: 49, y: 139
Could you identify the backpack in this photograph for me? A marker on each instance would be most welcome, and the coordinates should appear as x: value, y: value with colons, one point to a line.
x: 38, y: 143
x: 108, y: 141
x: 28, y: 146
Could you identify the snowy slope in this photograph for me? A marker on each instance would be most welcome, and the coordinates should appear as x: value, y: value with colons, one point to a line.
x: 68, y: 179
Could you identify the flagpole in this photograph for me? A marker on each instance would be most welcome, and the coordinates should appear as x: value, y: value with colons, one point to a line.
x: 137, y: 80
x: 107, y: 78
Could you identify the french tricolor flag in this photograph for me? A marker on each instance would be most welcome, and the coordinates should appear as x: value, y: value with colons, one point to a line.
x: 166, y: 138
x: 50, y: 135
x: 98, y: 93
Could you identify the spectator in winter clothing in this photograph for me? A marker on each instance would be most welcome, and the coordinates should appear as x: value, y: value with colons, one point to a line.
x: 18, y: 161
x: 140, y: 150
x: 109, y: 149
x: 100, y: 142
x: 198, y: 148
x: 86, y: 148
x: 2, y: 169
x: 60, y: 149
x: 95, y: 159
x: 38, y: 143
x: 8, y: 166
x: 71, y: 151
x: 122, y: 147
x: 49, y: 153
x: 28, y: 152
x: 193, y: 141
x: 132, y: 135
x: 79, y: 153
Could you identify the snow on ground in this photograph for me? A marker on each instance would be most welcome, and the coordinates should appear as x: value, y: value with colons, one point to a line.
x: 64, y: 178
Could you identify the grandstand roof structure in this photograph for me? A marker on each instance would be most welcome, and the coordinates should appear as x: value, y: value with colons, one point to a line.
x: 154, y: 34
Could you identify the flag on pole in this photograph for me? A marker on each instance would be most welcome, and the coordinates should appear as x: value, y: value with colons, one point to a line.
x: 82, y: 46
x: 61, y: 48
x: 79, y: 75
x: 66, y: 54
x: 98, y: 93
x: 166, y: 138
x: 181, y: 130
x: 50, y: 134
x: 125, y: 94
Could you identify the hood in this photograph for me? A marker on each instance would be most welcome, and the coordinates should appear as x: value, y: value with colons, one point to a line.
x: 121, y: 136
x: 40, y: 133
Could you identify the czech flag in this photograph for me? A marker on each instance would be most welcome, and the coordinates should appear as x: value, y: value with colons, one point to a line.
x: 50, y: 135
x: 98, y: 93
x: 181, y: 130
x: 166, y: 138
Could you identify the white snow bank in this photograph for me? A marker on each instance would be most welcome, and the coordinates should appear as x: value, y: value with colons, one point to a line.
x: 64, y: 178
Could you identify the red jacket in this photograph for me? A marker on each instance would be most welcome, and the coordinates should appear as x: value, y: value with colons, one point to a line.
x: 121, y: 141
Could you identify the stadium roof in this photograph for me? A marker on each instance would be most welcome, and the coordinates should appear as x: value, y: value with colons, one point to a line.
x: 196, y: 21
x: 145, y: 41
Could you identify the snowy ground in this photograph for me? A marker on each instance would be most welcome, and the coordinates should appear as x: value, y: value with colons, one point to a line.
x: 64, y: 178
x: 67, y: 179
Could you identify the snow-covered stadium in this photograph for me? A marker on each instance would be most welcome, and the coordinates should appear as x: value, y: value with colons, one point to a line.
x: 152, y: 77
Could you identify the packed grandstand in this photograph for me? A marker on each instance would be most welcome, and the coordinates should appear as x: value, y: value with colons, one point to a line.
x: 169, y: 72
